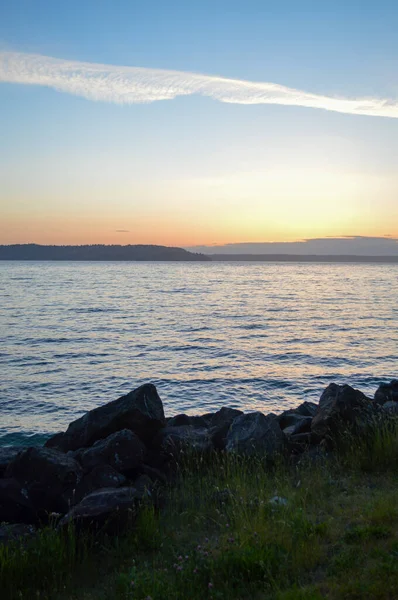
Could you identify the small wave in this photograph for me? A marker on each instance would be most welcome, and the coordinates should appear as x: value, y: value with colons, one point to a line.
x: 94, y: 310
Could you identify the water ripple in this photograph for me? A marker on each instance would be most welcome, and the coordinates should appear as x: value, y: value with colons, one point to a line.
x: 252, y: 336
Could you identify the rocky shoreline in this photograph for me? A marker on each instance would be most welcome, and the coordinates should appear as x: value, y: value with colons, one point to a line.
x: 97, y: 473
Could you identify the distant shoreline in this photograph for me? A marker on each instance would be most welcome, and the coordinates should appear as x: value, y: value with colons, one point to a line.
x: 346, y: 258
x: 153, y: 253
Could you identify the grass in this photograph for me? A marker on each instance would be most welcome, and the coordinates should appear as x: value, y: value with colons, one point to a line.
x: 333, y: 535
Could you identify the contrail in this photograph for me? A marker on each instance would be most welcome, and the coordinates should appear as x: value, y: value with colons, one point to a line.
x: 133, y: 85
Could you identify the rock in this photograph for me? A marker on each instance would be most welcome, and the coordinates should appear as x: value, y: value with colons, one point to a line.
x: 278, y: 501
x: 185, y: 439
x: 7, y: 454
x: 294, y: 423
x: 255, y: 433
x: 289, y: 430
x: 307, y: 409
x: 102, y: 476
x: 225, y: 416
x: 155, y: 474
x: 387, y: 392
x: 144, y: 485
x: 15, y: 504
x: 141, y: 411
x: 300, y: 442
x: 193, y: 421
x: 341, y: 407
x: 122, y: 450
x: 48, y: 476
x: 391, y: 406
x: 110, y: 509
x: 220, y: 424
x: 15, y: 532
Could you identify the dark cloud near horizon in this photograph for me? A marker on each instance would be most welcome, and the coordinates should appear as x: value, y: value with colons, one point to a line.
x: 355, y: 245
x: 122, y: 230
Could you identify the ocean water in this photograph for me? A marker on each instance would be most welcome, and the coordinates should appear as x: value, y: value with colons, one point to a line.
x: 253, y: 336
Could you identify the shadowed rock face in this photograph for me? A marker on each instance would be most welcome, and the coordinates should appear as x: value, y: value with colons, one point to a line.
x: 185, y: 438
x: 48, y: 476
x: 255, y: 433
x: 100, y: 477
x: 122, y: 450
x: 7, y: 455
x: 185, y: 420
x: 343, y: 405
x: 15, y: 504
x: 387, y: 392
x: 220, y: 425
x: 110, y: 508
x: 141, y: 411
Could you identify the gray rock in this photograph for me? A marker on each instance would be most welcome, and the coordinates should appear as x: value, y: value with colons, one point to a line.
x: 15, y: 504
x: 144, y: 485
x: 294, y: 423
x: 48, y: 476
x: 7, y: 454
x: 289, y: 430
x: 342, y: 407
x: 298, y: 443
x: 278, y: 501
x: 141, y: 411
x: 255, y: 433
x: 193, y: 421
x: 391, y: 406
x: 306, y: 409
x: 185, y: 439
x: 225, y: 416
x: 103, y: 476
x: 387, y: 392
x: 122, y: 450
x: 155, y: 474
x: 220, y: 425
x: 110, y: 509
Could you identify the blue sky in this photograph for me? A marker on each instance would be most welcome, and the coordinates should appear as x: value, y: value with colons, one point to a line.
x: 193, y: 170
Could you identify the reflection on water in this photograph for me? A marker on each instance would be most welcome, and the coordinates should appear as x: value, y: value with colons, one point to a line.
x: 253, y: 336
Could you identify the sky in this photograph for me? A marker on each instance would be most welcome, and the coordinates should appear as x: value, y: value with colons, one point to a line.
x: 198, y: 123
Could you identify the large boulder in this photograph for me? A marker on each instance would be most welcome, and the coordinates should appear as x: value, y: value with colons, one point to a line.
x: 7, y: 454
x: 122, y: 450
x: 220, y: 425
x: 292, y: 423
x: 225, y: 416
x: 102, y: 476
x: 192, y: 420
x: 15, y: 504
x: 186, y: 439
x: 48, y: 476
x: 306, y: 409
x: 391, y: 407
x: 387, y: 392
x: 141, y: 411
x: 256, y: 434
x: 110, y: 509
x: 299, y: 417
x: 342, y: 407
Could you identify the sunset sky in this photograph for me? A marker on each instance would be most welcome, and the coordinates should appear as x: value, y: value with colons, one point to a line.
x: 196, y: 123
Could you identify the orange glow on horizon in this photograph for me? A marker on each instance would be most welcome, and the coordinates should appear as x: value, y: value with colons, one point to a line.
x: 57, y: 231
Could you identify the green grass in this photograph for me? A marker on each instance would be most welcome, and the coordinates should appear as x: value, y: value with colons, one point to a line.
x: 218, y: 536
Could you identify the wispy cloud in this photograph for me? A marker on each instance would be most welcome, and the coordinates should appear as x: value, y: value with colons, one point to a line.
x: 132, y: 85
x: 122, y: 230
